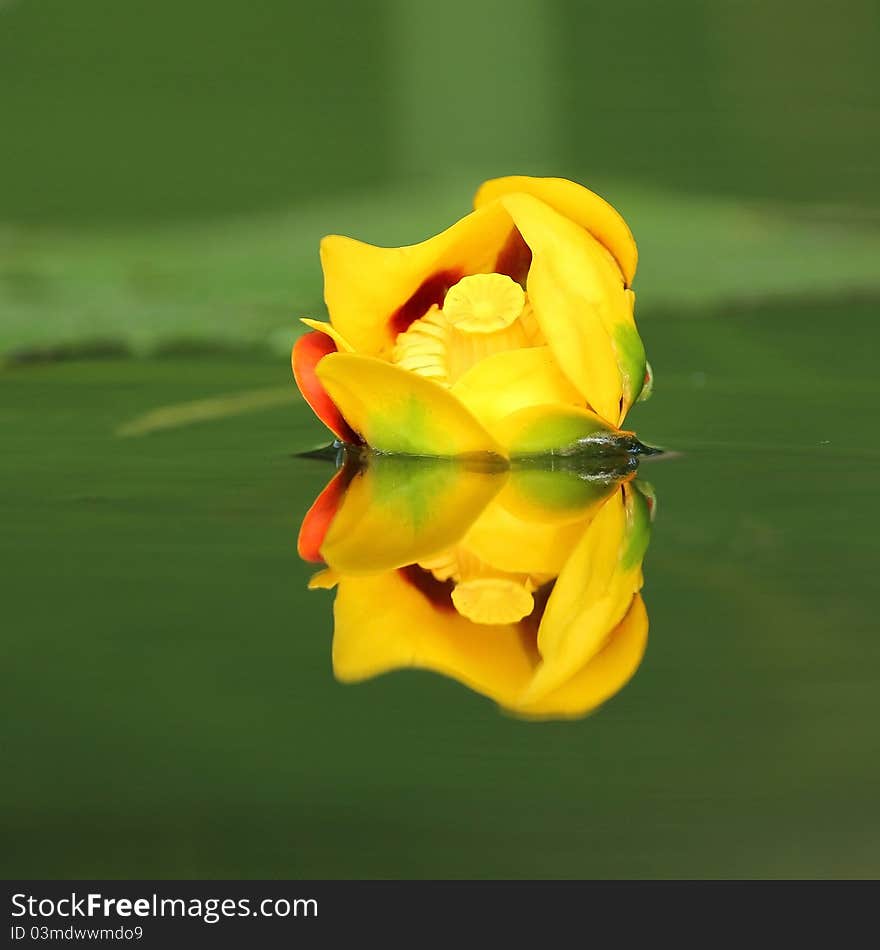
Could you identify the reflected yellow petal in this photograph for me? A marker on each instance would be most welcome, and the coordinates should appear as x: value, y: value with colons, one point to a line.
x: 504, y: 382
x: 503, y: 541
x: 382, y: 623
x: 323, y: 580
x: 399, y: 412
x: 581, y: 205
x: 400, y: 511
x: 371, y: 292
x: 558, y: 496
x: 603, y: 676
x: 528, y: 534
x: 593, y: 592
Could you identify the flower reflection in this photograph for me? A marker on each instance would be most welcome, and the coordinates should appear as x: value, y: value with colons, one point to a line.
x: 522, y: 583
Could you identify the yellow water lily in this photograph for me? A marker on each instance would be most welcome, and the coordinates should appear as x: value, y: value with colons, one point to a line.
x: 510, y: 334
x: 522, y: 584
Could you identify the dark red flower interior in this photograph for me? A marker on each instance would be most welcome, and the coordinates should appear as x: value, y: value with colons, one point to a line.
x: 431, y: 291
x: 515, y: 258
x: 439, y: 593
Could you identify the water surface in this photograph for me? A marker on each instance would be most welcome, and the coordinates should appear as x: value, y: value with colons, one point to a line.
x: 174, y: 711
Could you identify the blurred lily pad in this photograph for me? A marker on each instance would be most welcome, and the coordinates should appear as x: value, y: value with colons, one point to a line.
x: 243, y: 282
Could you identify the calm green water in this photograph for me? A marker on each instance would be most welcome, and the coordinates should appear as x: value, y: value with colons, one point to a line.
x: 165, y: 173
x: 174, y: 711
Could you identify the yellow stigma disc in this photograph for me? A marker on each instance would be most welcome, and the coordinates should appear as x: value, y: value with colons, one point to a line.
x: 484, y: 303
x: 492, y: 600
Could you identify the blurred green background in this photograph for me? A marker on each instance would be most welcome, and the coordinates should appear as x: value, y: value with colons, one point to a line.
x: 166, y: 170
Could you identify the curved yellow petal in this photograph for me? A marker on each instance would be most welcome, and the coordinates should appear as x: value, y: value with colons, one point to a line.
x: 382, y: 623
x: 558, y: 430
x: 323, y: 580
x: 640, y: 502
x: 399, y: 412
x: 536, y: 520
x: 560, y: 495
x: 342, y: 345
x: 504, y: 382
x: 593, y: 592
x: 505, y: 542
x: 399, y: 511
x: 603, y: 676
x: 371, y: 292
x: 581, y: 205
x: 579, y: 302
x: 631, y: 359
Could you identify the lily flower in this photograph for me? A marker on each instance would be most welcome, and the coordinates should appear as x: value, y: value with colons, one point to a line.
x: 522, y: 584
x: 509, y: 334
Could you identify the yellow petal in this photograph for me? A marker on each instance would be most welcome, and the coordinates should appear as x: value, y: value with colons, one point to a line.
x: 368, y: 289
x: 543, y: 495
x: 578, y: 299
x: 523, y: 533
x: 581, y: 205
x: 323, y: 580
x: 382, y: 622
x: 603, y: 676
x: 506, y: 543
x: 398, y: 511
x: 593, y: 592
x: 504, y: 382
x: 631, y: 360
x: 557, y: 430
x: 342, y: 345
x: 399, y: 412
